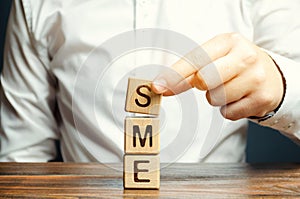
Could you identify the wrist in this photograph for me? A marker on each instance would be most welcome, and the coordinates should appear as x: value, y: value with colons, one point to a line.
x: 273, y: 112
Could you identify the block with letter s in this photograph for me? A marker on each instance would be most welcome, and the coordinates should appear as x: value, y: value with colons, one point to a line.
x: 141, y: 99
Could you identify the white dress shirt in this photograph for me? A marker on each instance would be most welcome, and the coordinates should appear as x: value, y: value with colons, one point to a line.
x: 54, y: 88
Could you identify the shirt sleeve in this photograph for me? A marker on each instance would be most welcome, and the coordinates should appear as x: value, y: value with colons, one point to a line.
x: 28, y: 126
x: 277, y: 29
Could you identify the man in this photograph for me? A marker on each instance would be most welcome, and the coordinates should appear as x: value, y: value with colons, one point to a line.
x: 59, y: 81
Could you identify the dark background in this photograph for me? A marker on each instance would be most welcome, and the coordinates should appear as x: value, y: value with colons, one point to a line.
x: 264, y: 144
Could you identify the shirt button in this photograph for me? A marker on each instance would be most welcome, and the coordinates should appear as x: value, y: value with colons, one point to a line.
x: 291, y: 125
x: 275, y: 122
x: 144, y: 2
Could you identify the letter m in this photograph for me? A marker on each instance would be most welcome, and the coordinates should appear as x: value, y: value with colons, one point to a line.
x: 136, y: 132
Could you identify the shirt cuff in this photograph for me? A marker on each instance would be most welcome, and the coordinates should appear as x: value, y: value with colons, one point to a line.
x: 287, y: 118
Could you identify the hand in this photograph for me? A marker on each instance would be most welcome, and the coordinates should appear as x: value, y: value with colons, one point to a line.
x: 236, y: 74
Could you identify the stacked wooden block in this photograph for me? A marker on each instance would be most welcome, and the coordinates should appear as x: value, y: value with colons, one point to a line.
x: 142, y: 139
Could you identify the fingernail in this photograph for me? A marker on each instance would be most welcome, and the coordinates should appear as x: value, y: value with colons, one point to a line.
x: 160, y: 86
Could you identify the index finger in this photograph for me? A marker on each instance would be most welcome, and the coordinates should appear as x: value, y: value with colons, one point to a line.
x: 189, y: 64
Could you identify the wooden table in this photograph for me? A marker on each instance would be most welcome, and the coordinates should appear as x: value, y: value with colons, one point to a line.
x: 78, y: 180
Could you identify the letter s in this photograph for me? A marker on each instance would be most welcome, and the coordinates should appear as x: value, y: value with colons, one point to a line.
x: 148, y: 98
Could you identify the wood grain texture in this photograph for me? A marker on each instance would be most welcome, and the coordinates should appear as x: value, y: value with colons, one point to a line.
x: 140, y: 98
x: 142, y: 135
x: 79, y: 180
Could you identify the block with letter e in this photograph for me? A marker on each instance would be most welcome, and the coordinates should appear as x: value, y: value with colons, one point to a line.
x: 141, y: 172
x: 140, y: 98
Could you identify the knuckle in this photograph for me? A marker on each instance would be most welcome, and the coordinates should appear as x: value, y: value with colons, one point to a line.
x: 242, y: 112
x: 235, y: 37
x: 199, y: 82
x: 250, y: 56
x: 210, y: 98
x: 260, y: 113
x: 232, y: 117
x: 259, y: 77
x: 265, y: 99
x: 229, y: 114
x: 222, y: 36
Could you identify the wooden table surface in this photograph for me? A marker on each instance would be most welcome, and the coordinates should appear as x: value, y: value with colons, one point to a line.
x: 93, y: 180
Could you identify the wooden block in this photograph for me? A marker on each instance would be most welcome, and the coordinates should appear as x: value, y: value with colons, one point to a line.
x: 141, y: 172
x: 140, y: 98
x: 141, y: 135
